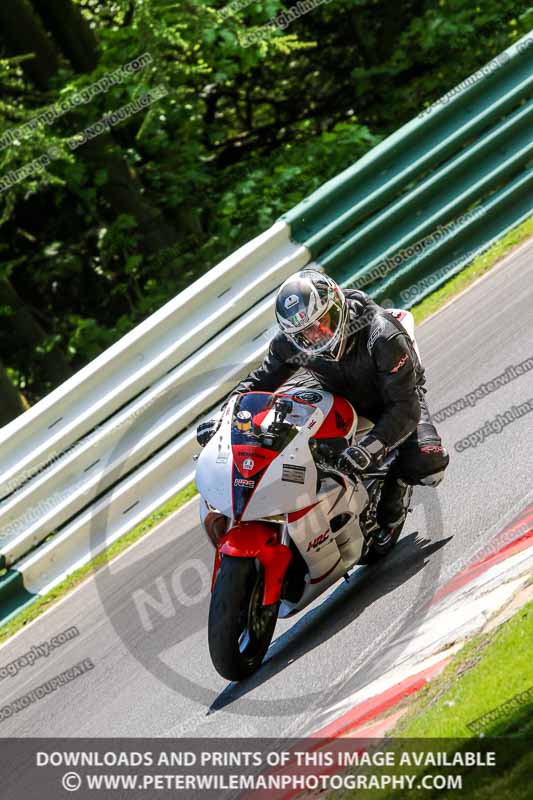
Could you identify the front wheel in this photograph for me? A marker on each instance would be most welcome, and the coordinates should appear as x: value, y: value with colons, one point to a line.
x: 240, y: 628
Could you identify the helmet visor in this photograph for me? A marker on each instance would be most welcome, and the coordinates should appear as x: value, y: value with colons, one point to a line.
x: 321, y: 334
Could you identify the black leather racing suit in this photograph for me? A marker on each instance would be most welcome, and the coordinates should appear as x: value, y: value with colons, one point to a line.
x: 381, y: 375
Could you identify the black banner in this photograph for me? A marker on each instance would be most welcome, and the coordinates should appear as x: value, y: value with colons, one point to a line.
x: 278, y: 769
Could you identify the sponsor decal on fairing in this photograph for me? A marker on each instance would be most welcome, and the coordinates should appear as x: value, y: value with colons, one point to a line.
x: 317, y: 541
x: 244, y: 482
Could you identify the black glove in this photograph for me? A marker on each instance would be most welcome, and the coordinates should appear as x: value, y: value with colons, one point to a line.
x: 367, y: 454
x: 206, y: 430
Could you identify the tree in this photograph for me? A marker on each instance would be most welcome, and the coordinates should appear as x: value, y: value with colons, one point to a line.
x: 104, y: 235
x: 23, y: 32
x: 13, y: 402
x: 50, y: 367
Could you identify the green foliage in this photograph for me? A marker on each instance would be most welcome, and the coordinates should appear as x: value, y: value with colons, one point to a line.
x: 243, y: 134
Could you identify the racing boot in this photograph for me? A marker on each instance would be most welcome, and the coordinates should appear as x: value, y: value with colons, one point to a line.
x: 394, y: 503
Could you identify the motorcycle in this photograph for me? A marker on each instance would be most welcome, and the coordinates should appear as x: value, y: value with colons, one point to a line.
x: 285, y: 523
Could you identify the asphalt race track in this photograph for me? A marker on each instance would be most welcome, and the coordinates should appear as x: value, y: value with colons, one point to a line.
x: 142, y: 621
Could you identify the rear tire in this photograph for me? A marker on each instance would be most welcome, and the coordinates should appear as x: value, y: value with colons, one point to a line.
x: 240, y: 628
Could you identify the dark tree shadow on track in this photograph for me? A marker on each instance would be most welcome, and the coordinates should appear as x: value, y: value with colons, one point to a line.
x: 339, y: 609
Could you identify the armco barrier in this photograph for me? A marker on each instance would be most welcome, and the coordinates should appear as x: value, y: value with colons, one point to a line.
x: 92, y: 531
x: 129, y: 437
x: 142, y: 356
x: 334, y: 210
x: 104, y: 450
x: 418, y: 277
x: 424, y: 178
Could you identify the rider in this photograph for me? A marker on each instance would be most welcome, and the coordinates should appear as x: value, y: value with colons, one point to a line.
x: 355, y: 348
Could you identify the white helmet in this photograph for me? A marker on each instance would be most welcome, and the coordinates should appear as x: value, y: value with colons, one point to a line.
x: 311, y: 310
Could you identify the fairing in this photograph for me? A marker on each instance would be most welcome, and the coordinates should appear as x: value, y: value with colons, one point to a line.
x: 264, y: 470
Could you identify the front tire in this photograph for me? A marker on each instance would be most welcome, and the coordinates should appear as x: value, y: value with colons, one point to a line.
x: 240, y: 628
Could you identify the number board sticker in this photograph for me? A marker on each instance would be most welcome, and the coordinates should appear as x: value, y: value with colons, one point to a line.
x: 293, y: 474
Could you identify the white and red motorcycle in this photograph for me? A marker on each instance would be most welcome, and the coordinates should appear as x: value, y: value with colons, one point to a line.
x: 285, y: 523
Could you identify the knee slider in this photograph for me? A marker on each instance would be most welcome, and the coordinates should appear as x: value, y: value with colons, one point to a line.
x: 433, y: 480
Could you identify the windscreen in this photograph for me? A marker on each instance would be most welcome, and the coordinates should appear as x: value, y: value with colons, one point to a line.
x: 268, y: 420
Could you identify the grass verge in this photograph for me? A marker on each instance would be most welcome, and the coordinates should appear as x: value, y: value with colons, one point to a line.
x: 485, y: 692
x: 428, y: 306
x: 34, y: 610
x: 485, y: 674
x: 480, y: 265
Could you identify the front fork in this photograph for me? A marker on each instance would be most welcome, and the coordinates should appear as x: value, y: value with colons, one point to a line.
x: 257, y: 540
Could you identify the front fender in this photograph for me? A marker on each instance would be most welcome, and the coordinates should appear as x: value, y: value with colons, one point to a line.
x: 258, y: 540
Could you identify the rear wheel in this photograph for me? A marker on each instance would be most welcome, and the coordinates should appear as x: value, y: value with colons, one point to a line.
x: 240, y: 628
